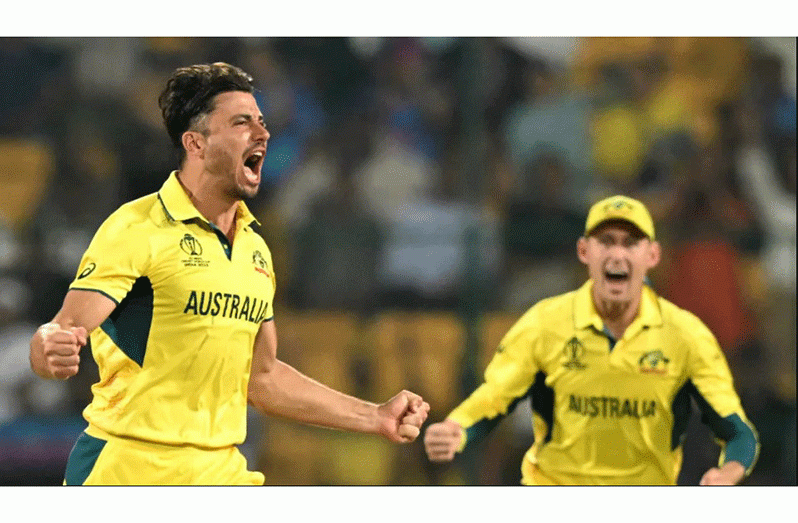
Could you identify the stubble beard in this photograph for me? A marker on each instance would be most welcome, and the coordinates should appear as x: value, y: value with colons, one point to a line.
x: 614, y: 309
x: 237, y: 192
x: 611, y: 307
x: 225, y: 166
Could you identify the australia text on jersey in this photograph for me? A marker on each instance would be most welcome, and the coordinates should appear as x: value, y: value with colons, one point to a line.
x: 226, y: 304
x: 609, y: 406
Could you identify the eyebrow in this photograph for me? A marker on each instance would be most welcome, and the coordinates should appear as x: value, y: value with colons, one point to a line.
x: 607, y: 235
x: 247, y: 117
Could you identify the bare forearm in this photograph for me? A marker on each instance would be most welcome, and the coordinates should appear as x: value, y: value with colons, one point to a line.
x: 287, y: 393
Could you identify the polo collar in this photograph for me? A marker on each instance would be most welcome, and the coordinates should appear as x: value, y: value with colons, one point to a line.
x: 178, y: 205
x: 586, y: 315
x: 175, y: 201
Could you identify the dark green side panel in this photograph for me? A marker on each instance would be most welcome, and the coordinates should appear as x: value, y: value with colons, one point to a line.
x: 129, y: 325
x: 682, y: 409
x: 82, y: 459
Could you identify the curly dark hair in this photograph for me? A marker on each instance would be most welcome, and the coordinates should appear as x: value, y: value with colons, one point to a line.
x: 189, y: 95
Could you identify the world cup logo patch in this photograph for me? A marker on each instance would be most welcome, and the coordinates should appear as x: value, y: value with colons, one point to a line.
x: 190, y: 245
x: 574, y: 351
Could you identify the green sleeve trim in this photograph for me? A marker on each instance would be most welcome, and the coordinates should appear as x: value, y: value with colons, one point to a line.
x: 479, y: 430
x: 743, y: 446
x: 739, y: 438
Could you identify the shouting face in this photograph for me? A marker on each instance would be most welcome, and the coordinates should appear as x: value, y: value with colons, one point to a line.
x: 232, y: 144
x: 618, y: 257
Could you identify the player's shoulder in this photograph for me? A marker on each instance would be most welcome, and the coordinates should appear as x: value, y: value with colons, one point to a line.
x: 553, y: 307
x: 131, y: 215
x: 681, y: 321
x: 549, y: 311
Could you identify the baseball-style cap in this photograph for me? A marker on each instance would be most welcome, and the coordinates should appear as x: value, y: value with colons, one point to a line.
x: 620, y: 208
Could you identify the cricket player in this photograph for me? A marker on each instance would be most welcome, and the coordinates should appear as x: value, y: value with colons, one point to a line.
x: 176, y: 292
x: 610, y: 369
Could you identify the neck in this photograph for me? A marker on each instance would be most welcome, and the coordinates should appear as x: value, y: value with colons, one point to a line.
x: 617, y: 315
x: 210, y: 200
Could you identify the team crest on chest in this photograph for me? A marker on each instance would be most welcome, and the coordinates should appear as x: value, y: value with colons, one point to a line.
x: 193, y: 248
x: 574, y: 351
x: 260, y: 263
x: 653, y: 362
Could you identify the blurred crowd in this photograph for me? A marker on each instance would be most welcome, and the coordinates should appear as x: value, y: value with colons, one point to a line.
x: 426, y: 178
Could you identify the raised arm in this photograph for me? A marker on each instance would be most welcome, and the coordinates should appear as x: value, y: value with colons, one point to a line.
x: 55, y: 347
x: 280, y: 390
x: 508, y: 380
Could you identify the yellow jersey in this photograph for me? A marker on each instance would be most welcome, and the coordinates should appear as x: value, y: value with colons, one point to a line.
x: 607, y: 411
x: 174, y: 356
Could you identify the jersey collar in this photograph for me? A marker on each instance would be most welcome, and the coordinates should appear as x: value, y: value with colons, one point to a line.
x: 585, y: 314
x: 178, y: 206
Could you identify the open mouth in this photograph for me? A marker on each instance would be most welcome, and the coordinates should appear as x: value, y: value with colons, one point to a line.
x: 253, y: 164
x: 616, y: 275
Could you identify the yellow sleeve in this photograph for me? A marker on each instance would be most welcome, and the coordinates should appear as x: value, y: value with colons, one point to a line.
x: 710, y: 372
x: 719, y: 402
x: 508, y: 378
x: 117, y: 256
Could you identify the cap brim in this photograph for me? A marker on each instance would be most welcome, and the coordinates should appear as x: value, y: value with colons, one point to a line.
x: 617, y: 220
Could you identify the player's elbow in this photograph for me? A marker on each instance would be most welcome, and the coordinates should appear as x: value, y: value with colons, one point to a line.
x: 258, y: 390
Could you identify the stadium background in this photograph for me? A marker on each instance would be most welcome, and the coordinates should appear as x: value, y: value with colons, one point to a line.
x: 418, y: 195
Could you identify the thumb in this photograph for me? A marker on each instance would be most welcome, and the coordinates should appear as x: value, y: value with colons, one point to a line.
x: 81, y: 334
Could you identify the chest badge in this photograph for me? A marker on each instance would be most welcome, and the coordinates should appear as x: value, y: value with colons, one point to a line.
x: 653, y: 362
x: 191, y: 246
x: 574, y: 351
x: 260, y: 263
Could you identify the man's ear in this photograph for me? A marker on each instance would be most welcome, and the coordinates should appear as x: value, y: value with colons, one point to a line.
x: 193, y: 143
x: 581, y: 249
x: 654, y: 254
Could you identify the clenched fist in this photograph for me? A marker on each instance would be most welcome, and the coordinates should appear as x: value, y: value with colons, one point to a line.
x: 402, y: 417
x: 442, y: 440
x: 61, y: 350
